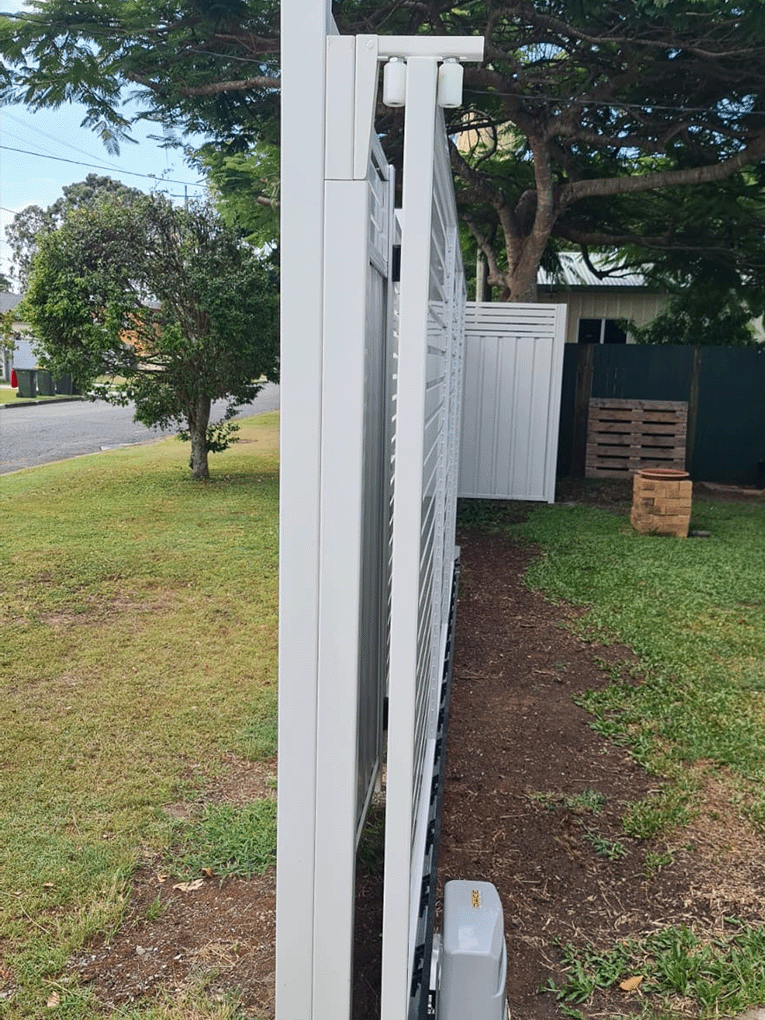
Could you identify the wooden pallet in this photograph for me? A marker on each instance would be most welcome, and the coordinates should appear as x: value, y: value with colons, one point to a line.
x: 624, y: 436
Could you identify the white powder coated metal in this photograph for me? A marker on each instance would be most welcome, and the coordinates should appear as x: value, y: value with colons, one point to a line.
x: 342, y: 436
x: 511, y: 403
x: 338, y: 632
x: 303, y: 32
x: 429, y: 365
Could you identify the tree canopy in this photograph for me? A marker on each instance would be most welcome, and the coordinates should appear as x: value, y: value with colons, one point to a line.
x: 591, y: 123
x: 33, y: 221
x: 245, y: 187
x: 167, y: 300
x: 584, y: 114
x: 200, y: 65
x: 698, y: 317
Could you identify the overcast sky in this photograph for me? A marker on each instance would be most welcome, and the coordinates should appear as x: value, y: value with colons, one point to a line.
x: 57, y: 151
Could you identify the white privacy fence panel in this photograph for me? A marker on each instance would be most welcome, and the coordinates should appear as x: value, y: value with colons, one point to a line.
x: 511, y: 401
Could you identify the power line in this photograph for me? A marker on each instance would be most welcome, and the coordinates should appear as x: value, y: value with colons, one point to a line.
x: 93, y: 166
x: 5, y: 133
x: 46, y: 134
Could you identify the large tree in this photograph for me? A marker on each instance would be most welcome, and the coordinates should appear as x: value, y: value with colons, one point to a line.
x: 590, y: 122
x: 583, y: 112
x: 167, y: 301
x: 700, y: 317
x: 30, y: 223
x: 245, y: 187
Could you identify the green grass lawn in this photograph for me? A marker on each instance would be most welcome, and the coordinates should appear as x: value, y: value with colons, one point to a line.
x: 690, y: 707
x: 139, y: 647
x: 692, y: 610
x: 7, y: 393
x: 9, y: 396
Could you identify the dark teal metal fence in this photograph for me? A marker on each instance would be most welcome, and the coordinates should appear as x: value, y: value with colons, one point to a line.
x: 724, y: 388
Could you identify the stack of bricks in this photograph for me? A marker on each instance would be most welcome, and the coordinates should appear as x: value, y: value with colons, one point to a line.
x: 661, y: 502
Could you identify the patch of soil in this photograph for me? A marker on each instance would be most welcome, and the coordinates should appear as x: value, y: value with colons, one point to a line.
x: 219, y: 936
x: 728, y: 493
x: 606, y: 493
x: 521, y: 755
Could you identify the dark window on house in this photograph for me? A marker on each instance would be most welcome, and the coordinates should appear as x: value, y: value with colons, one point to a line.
x: 600, y: 331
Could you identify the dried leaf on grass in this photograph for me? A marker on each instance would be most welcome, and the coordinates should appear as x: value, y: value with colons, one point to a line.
x: 631, y: 983
x: 189, y: 886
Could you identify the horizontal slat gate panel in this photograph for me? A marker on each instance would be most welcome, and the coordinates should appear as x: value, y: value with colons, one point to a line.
x: 423, y: 553
x: 624, y: 436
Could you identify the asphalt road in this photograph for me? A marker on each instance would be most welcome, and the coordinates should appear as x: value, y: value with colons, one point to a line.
x: 42, y: 433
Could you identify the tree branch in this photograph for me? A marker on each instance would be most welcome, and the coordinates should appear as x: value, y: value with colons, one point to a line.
x: 214, y: 88
x: 476, y: 182
x: 261, y: 45
x: 495, y: 277
x: 568, y: 31
x: 600, y: 239
x: 603, y: 187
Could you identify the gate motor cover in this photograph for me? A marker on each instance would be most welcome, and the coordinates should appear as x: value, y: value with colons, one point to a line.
x: 473, y: 955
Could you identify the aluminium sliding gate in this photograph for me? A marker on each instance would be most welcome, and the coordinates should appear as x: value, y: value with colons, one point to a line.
x: 424, y: 556
x: 369, y: 437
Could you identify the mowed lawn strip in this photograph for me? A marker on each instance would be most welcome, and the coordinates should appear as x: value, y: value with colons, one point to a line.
x: 139, y: 616
x: 693, y: 611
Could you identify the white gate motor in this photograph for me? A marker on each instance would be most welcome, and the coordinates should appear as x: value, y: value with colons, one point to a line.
x: 470, y: 958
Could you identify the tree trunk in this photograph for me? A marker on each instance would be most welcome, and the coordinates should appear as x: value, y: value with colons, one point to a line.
x: 199, y: 419
x: 528, y: 227
x: 522, y: 282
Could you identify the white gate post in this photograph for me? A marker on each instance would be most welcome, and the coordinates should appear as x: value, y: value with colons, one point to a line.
x: 303, y: 32
x: 346, y: 266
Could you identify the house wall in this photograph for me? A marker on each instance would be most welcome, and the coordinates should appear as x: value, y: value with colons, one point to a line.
x: 24, y: 355
x: 606, y: 303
